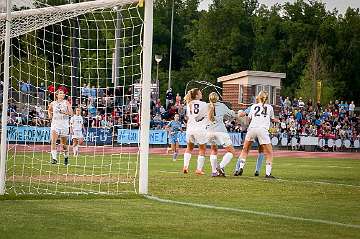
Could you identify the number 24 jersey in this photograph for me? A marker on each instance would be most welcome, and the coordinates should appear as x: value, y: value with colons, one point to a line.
x: 261, y: 116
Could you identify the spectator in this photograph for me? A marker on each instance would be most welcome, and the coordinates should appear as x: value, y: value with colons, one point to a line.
x: 309, y: 104
x: 169, y: 98
x: 351, y: 109
x: 301, y: 103
x: 318, y: 106
x: 287, y: 103
x: 299, y: 116
x: 119, y: 95
x: 41, y: 93
x: 93, y: 93
x: 177, y: 100
x: 51, y: 90
x: 25, y: 92
x: 295, y: 103
x: 85, y: 92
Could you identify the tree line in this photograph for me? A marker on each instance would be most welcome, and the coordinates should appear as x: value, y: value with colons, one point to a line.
x: 312, y: 45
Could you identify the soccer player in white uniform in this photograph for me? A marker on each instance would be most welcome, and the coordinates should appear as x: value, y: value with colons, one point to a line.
x: 76, y: 130
x: 217, y: 134
x: 196, y: 113
x: 260, y: 157
x: 261, y: 114
x: 59, y: 112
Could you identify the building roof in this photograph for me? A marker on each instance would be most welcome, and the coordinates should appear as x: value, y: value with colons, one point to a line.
x: 252, y: 73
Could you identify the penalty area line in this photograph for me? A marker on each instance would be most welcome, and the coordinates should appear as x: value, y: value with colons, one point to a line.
x: 274, y: 215
x: 285, y: 180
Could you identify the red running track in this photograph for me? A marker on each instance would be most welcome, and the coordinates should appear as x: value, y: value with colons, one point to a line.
x: 162, y: 151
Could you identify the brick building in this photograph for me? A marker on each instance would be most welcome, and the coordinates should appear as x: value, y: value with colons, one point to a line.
x: 241, y: 88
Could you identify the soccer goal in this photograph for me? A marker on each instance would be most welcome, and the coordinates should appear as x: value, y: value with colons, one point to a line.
x: 95, y: 52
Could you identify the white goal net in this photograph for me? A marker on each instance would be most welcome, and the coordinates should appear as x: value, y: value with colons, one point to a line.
x: 92, y: 51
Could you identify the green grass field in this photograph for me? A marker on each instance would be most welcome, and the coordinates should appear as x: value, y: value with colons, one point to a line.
x: 313, y: 198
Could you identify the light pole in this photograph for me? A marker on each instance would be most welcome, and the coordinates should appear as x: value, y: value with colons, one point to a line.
x: 171, y: 41
x: 158, y: 59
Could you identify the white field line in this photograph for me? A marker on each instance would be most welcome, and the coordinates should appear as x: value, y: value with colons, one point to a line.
x: 163, y: 171
x: 274, y: 215
x: 314, y: 166
x: 286, y: 180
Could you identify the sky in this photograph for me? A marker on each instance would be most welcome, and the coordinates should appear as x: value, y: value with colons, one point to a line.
x: 341, y: 5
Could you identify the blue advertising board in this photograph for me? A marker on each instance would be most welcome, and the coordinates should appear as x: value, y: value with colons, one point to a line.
x: 128, y: 136
x: 28, y: 134
x: 98, y: 136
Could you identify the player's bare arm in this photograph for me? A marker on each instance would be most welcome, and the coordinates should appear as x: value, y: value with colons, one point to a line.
x: 50, y: 111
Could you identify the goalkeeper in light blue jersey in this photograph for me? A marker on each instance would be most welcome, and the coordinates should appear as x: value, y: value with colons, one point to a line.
x: 260, y: 157
x: 174, y: 128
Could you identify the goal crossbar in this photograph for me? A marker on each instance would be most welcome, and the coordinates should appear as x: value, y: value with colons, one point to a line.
x: 41, y: 17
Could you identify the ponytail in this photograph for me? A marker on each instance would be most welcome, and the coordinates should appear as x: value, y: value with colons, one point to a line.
x: 213, y: 98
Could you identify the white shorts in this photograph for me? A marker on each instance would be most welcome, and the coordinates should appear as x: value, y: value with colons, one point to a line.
x: 260, y: 133
x: 196, y: 137
x: 77, y: 134
x: 60, y: 130
x: 219, y: 138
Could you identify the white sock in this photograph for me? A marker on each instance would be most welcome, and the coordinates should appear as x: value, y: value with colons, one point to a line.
x: 53, y: 154
x: 242, y: 162
x: 268, y: 168
x: 187, y: 158
x: 200, y: 162
x: 213, y: 162
x: 226, y: 159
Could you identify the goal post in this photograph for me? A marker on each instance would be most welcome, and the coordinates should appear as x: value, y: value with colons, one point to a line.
x: 3, y: 147
x: 44, y: 50
x: 145, y: 108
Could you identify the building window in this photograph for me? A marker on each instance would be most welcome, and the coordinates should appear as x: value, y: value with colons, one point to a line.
x: 274, y: 95
x: 271, y: 90
x: 241, y: 94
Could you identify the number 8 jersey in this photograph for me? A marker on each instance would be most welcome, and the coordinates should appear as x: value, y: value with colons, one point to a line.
x: 196, y: 112
x: 261, y: 115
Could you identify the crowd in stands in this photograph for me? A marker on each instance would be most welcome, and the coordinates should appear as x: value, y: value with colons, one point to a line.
x: 336, y: 120
x: 117, y: 107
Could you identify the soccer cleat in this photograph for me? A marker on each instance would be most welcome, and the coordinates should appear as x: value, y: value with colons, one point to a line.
x: 54, y: 161
x: 185, y: 170
x: 221, y: 172
x: 239, y: 172
x: 199, y: 172
x: 214, y: 174
x: 269, y: 177
x: 256, y: 173
x: 66, y: 161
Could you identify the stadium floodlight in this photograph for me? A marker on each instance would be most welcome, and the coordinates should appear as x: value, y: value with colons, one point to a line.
x: 72, y: 45
x: 158, y: 59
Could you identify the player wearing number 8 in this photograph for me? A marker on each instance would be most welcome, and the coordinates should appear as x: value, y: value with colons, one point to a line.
x: 197, y: 120
x: 261, y: 114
